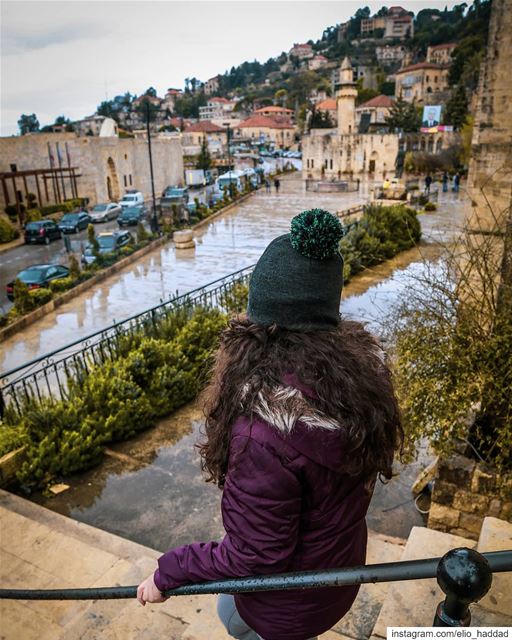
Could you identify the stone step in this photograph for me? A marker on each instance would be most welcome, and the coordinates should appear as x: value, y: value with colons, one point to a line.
x: 43, y: 549
x: 496, y: 535
x: 413, y: 603
x: 361, y: 619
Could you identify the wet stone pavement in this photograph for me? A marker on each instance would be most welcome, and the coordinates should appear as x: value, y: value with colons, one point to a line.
x: 150, y: 489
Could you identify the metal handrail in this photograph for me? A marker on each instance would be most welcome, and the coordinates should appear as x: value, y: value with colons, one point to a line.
x: 463, y: 574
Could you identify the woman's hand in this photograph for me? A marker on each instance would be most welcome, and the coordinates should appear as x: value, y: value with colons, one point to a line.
x: 147, y: 591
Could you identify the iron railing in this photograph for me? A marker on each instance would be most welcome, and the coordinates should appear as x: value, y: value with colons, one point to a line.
x: 463, y: 574
x: 48, y: 375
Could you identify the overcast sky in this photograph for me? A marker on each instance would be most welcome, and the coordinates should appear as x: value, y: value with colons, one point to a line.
x: 66, y: 56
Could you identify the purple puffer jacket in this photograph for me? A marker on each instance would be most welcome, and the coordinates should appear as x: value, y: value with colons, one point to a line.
x: 286, y: 506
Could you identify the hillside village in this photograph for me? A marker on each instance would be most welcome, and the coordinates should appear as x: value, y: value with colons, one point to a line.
x: 431, y: 58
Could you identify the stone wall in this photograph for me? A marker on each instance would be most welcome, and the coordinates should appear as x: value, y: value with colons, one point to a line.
x: 490, y: 168
x: 122, y: 162
x: 465, y: 492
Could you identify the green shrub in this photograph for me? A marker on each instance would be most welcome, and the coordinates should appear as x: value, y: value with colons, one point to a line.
x: 74, y: 267
x: 155, y: 371
x: 381, y: 233
x: 11, y: 438
x: 142, y: 234
x: 430, y: 206
x: 62, y: 284
x: 126, y: 251
x: 12, y: 210
x: 23, y: 303
x: 32, y: 215
x: 40, y: 297
x: 234, y: 300
x: 7, y: 231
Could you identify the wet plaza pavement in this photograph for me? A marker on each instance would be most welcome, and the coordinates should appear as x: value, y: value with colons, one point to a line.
x: 150, y: 489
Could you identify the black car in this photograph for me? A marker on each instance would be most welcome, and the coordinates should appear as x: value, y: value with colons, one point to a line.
x: 74, y: 222
x: 42, y: 231
x: 38, y: 276
x: 131, y: 216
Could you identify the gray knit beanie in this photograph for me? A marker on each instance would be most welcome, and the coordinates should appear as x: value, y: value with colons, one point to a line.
x: 297, y: 282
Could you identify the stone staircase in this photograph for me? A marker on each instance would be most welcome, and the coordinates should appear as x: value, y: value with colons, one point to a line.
x: 42, y: 549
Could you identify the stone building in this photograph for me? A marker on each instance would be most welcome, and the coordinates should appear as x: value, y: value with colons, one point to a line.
x: 373, y: 113
x: 424, y: 82
x: 106, y: 166
x: 265, y: 130
x: 389, y: 54
x: 218, y: 111
x: 194, y: 134
x: 441, y: 53
x: 211, y: 86
x: 344, y: 153
x: 301, y: 51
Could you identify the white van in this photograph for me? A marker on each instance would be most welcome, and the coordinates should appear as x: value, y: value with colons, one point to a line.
x: 132, y: 199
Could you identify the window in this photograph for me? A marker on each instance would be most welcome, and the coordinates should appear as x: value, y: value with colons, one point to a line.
x: 435, y: 78
x: 125, y: 181
x: 330, y: 164
x: 126, y: 156
x: 427, y: 78
x: 325, y: 163
x: 312, y: 163
x: 131, y: 182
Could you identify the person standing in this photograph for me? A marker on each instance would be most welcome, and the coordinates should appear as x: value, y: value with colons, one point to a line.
x: 277, y: 184
x: 456, y: 182
x: 301, y: 420
x: 267, y: 185
x: 445, y: 182
x: 428, y: 183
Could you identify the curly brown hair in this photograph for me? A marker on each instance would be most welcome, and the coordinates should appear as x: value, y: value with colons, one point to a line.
x: 343, y: 366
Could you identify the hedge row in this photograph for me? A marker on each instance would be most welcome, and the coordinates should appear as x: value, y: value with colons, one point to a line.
x: 381, y: 233
x: 151, y: 376
x: 7, y: 231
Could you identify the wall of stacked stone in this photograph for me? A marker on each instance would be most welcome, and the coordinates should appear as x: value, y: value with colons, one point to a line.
x: 465, y: 492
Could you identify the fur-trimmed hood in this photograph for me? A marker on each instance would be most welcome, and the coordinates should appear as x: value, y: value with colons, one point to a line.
x: 289, y: 412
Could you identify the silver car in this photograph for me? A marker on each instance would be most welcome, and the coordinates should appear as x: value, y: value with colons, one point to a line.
x: 104, y: 212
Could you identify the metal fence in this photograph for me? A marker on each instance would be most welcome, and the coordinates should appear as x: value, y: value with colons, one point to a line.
x: 48, y: 375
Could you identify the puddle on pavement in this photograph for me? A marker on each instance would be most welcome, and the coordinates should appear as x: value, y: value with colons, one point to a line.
x: 150, y: 489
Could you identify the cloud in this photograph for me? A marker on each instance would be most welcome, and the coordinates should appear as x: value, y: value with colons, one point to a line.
x: 18, y: 40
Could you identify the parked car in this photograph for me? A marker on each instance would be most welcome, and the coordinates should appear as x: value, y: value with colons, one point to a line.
x: 131, y: 199
x: 74, y: 222
x: 109, y: 242
x: 131, y: 216
x: 42, y: 231
x: 104, y: 212
x: 38, y: 276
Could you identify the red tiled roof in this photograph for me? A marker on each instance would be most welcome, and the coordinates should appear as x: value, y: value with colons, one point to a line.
x: 178, y: 122
x: 329, y: 104
x: 223, y: 100
x: 448, y: 45
x: 264, y: 121
x: 273, y: 109
x: 378, y: 101
x: 421, y: 65
x: 174, y: 91
x: 205, y: 126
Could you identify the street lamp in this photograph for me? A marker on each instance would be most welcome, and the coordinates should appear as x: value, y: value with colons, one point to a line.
x: 154, y: 219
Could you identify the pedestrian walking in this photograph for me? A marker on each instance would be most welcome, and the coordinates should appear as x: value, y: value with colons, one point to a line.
x: 456, y: 182
x: 301, y: 418
x: 277, y: 184
x: 267, y: 185
x: 428, y: 183
x: 445, y: 182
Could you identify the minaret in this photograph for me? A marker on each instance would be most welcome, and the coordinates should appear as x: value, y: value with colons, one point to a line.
x: 346, y: 95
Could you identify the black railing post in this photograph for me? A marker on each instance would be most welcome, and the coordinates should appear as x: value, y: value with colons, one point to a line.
x: 465, y: 577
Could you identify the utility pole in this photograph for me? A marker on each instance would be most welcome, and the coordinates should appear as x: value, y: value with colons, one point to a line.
x: 154, y: 219
x: 229, y: 157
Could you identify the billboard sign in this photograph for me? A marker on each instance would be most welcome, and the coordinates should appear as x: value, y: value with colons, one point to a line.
x: 431, y: 119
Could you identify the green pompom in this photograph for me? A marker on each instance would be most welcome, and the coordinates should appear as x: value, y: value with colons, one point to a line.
x: 316, y: 234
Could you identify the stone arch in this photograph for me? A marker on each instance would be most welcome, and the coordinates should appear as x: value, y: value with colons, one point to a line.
x: 439, y: 145
x: 430, y: 145
x: 113, y: 190
x: 372, y: 167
